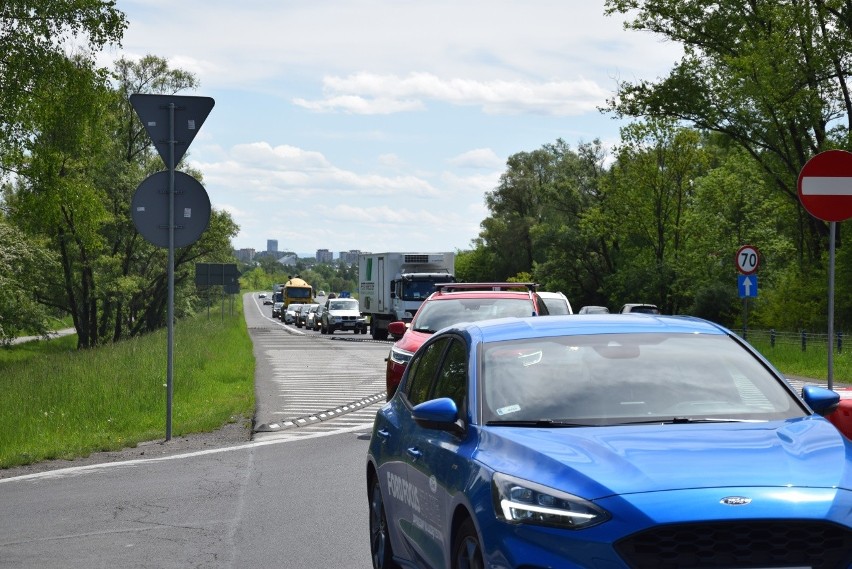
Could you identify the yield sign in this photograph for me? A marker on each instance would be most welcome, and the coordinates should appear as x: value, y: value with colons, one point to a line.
x: 154, y: 111
x: 825, y: 185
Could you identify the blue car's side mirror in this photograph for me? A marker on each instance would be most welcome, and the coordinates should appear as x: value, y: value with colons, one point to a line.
x: 823, y: 401
x: 439, y: 413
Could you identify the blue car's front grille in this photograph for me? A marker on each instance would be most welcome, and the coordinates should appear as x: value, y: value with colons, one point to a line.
x: 754, y: 543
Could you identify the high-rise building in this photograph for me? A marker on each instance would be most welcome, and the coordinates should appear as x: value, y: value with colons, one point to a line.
x: 245, y: 255
x: 324, y: 256
x: 272, y: 245
x: 349, y: 257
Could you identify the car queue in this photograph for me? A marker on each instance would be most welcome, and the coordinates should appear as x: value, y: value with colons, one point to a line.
x: 595, y: 440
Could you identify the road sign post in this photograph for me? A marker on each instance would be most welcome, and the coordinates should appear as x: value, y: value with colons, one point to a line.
x: 747, y: 260
x: 825, y: 191
x: 158, y: 115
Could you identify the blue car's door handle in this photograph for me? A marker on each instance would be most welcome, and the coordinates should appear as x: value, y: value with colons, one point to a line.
x: 384, y: 433
x: 414, y: 452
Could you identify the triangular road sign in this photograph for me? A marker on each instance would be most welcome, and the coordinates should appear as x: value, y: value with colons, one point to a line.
x: 154, y: 112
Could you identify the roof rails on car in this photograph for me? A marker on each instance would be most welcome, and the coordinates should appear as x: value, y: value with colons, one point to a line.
x: 456, y: 287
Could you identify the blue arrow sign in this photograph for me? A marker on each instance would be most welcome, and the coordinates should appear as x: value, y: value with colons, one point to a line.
x: 747, y: 286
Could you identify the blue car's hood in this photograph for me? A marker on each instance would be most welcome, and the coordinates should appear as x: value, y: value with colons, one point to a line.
x: 600, y: 461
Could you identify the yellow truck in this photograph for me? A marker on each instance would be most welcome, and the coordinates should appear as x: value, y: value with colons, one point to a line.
x: 296, y: 290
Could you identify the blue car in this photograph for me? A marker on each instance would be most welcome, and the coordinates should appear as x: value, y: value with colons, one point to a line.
x: 635, y: 441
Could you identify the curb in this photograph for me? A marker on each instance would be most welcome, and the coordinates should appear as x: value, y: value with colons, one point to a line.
x: 320, y: 417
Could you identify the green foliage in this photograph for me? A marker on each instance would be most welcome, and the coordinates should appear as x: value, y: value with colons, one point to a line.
x: 771, y: 78
x: 34, y: 55
x: 23, y: 265
x: 76, y: 178
x: 475, y: 265
x: 662, y: 225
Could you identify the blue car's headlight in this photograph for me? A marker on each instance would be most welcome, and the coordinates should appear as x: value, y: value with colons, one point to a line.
x: 520, y: 501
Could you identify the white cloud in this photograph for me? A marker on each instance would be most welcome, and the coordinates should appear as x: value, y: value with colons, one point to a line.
x: 477, y: 158
x: 369, y: 93
x: 359, y: 105
x: 281, y: 172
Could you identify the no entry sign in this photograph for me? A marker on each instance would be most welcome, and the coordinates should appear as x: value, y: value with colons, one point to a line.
x: 825, y: 185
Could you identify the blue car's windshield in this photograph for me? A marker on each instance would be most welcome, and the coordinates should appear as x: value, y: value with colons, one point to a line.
x: 624, y: 378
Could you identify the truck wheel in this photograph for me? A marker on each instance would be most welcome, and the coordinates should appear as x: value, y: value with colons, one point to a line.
x: 378, y: 334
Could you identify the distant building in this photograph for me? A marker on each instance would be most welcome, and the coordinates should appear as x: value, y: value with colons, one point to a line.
x: 349, y: 257
x: 244, y: 255
x: 288, y: 260
x: 324, y: 256
x: 272, y: 245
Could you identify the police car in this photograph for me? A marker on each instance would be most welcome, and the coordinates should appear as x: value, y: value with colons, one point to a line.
x: 605, y: 441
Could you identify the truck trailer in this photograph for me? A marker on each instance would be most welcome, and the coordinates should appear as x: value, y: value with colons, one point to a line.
x: 392, y: 286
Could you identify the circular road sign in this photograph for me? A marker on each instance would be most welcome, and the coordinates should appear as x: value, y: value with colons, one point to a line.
x: 747, y: 259
x: 150, y: 209
x: 825, y: 185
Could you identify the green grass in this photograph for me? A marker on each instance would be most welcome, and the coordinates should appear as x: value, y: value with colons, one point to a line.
x: 61, y: 403
x: 791, y: 360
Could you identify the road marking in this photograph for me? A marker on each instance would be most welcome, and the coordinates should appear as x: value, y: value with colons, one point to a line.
x: 266, y: 439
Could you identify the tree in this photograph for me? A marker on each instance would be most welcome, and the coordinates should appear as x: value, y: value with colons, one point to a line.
x: 644, y: 205
x: 55, y: 197
x: 771, y: 76
x: 23, y: 265
x: 75, y: 185
x: 577, y: 258
x: 31, y: 34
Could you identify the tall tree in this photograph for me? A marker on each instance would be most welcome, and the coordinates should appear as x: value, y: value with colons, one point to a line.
x: 643, y: 209
x: 770, y: 75
x: 576, y: 260
x: 32, y: 33
x: 516, y: 206
x: 55, y: 195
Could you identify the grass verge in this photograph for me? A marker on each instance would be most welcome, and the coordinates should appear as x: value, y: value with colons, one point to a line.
x: 791, y: 360
x: 61, y: 403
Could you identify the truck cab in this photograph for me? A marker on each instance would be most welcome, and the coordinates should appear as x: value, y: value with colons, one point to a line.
x: 409, y: 290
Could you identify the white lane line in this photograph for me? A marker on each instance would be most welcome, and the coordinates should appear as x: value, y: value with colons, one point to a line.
x: 266, y: 439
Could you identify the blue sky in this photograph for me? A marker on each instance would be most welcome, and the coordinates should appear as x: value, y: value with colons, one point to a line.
x: 380, y: 125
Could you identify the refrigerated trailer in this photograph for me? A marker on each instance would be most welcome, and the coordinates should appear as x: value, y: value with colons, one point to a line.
x: 393, y: 285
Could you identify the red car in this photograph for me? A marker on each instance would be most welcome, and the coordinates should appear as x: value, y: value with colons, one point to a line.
x: 453, y: 303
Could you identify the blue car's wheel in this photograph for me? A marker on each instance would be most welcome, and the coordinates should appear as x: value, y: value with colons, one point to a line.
x: 380, y: 545
x: 467, y: 552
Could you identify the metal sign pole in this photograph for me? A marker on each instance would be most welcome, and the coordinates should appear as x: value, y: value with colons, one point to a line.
x: 831, y: 230
x: 190, y: 199
x: 171, y: 300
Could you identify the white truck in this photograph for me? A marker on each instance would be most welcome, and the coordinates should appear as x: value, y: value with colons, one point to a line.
x: 393, y: 285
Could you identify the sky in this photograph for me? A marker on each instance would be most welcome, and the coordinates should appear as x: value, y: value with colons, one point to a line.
x: 380, y: 125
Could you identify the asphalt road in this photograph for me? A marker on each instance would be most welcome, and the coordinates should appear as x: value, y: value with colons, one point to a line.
x: 294, y: 496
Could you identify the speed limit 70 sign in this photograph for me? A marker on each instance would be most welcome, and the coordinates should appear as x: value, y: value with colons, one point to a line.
x: 747, y: 259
